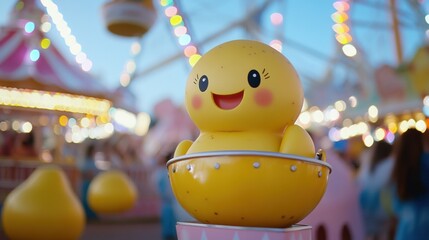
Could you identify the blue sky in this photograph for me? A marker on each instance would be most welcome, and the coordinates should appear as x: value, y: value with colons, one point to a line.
x: 310, y: 42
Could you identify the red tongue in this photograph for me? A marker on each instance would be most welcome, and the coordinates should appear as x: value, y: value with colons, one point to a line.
x: 228, y: 102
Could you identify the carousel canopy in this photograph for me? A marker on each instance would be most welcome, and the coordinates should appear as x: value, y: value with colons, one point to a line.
x: 29, y: 60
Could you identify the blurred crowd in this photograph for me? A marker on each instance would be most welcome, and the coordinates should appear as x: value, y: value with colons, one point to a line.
x: 393, y: 177
x: 394, y: 187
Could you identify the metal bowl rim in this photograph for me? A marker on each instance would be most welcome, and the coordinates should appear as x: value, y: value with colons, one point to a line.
x: 249, y: 153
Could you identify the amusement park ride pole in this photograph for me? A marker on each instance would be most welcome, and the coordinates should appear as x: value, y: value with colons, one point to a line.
x: 396, y: 31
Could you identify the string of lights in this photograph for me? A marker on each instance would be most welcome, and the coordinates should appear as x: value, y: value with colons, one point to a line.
x: 65, y: 32
x: 277, y: 21
x: 341, y: 27
x: 181, y: 31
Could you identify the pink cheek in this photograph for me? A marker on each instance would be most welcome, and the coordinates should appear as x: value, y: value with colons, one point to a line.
x: 263, y: 97
x: 197, y: 102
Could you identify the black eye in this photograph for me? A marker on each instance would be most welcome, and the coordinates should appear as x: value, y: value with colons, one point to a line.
x: 254, y: 78
x: 203, y: 83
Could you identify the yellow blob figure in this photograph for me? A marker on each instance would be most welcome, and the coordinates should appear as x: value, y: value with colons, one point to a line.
x: 43, y: 207
x: 245, y: 95
x: 112, y: 192
x: 250, y: 165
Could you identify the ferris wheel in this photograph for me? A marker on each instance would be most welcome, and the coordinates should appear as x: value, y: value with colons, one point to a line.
x: 379, y: 77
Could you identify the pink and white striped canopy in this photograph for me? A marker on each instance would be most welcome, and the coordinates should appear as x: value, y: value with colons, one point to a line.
x: 51, y: 71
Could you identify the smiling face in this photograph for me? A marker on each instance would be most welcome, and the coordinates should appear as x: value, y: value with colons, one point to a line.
x: 243, y: 85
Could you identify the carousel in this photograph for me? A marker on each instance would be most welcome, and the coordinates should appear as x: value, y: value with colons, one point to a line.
x: 49, y: 105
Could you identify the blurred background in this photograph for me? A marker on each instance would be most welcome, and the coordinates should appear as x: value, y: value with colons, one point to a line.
x: 111, y: 75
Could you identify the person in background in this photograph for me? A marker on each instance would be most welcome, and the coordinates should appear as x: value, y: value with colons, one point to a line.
x: 88, y: 171
x: 168, y: 216
x: 410, y: 185
x: 373, y: 178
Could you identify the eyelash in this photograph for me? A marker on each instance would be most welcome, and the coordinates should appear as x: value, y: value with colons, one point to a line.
x: 266, y: 75
x: 196, y: 80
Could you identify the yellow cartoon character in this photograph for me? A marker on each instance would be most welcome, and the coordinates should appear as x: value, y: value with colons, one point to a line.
x: 245, y: 95
x: 250, y: 165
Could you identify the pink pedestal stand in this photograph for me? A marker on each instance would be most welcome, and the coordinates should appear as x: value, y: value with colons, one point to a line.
x: 198, y: 231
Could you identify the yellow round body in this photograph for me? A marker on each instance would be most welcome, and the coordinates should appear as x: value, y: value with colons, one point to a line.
x: 111, y: 192
x: 248, y: 188
x: 43, y: 207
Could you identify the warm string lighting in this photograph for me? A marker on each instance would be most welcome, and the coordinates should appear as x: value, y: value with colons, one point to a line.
x: 65, y: 32
x: 341, y: 28
x: 276, y: 20
x: 53, y: 101
x: 131, y: 65
x: 181, y: 31
x: 366, y: 127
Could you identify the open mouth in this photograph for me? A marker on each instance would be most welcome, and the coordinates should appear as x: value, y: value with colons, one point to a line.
x: 229, y: 101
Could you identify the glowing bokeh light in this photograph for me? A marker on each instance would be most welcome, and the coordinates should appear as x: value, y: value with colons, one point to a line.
x: 353, y: 101
x: 80, y: 58
x: 190, y: 50
x: 4, y: 126
x: 135, y: 48
x: 180, y: 30
x: 63, y: 120
x: 34, y: 55
x: 403, y: 126
x: 334, y: 135
x: 45, y: 27
x: 170, y: 11
x: 340, y: 105
x: 341, y: 6
x: 75, y: 49
x: 317, y: 116
x: 339, y: 17
x: 343, y: 38
x: 125, y: 79
x: 165, y: 3
x: 276, y: 18
x: 194, y: 59
x: 305, y: 118
x: 379, y: 134
x: 340, y: 28
x: 421, y: 125
x: 349, y: 50
x: 392, y: 127
x: 72, y: 122
x: 45, y: 43
x: 276, y: 44
x: 16, y: 125
x: 26, y: 127
x: 29, y: 27
x: 86, y: 65
x: 176, y: 20
x: 70, y: 40
x: 390, y: 137
x: 344, y: 133
x: 368, y: 140
x: 184, y: 40
x: 130, y: 66
x: 333, y: 114
x: 85, y: 122
x: 373, y: 111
